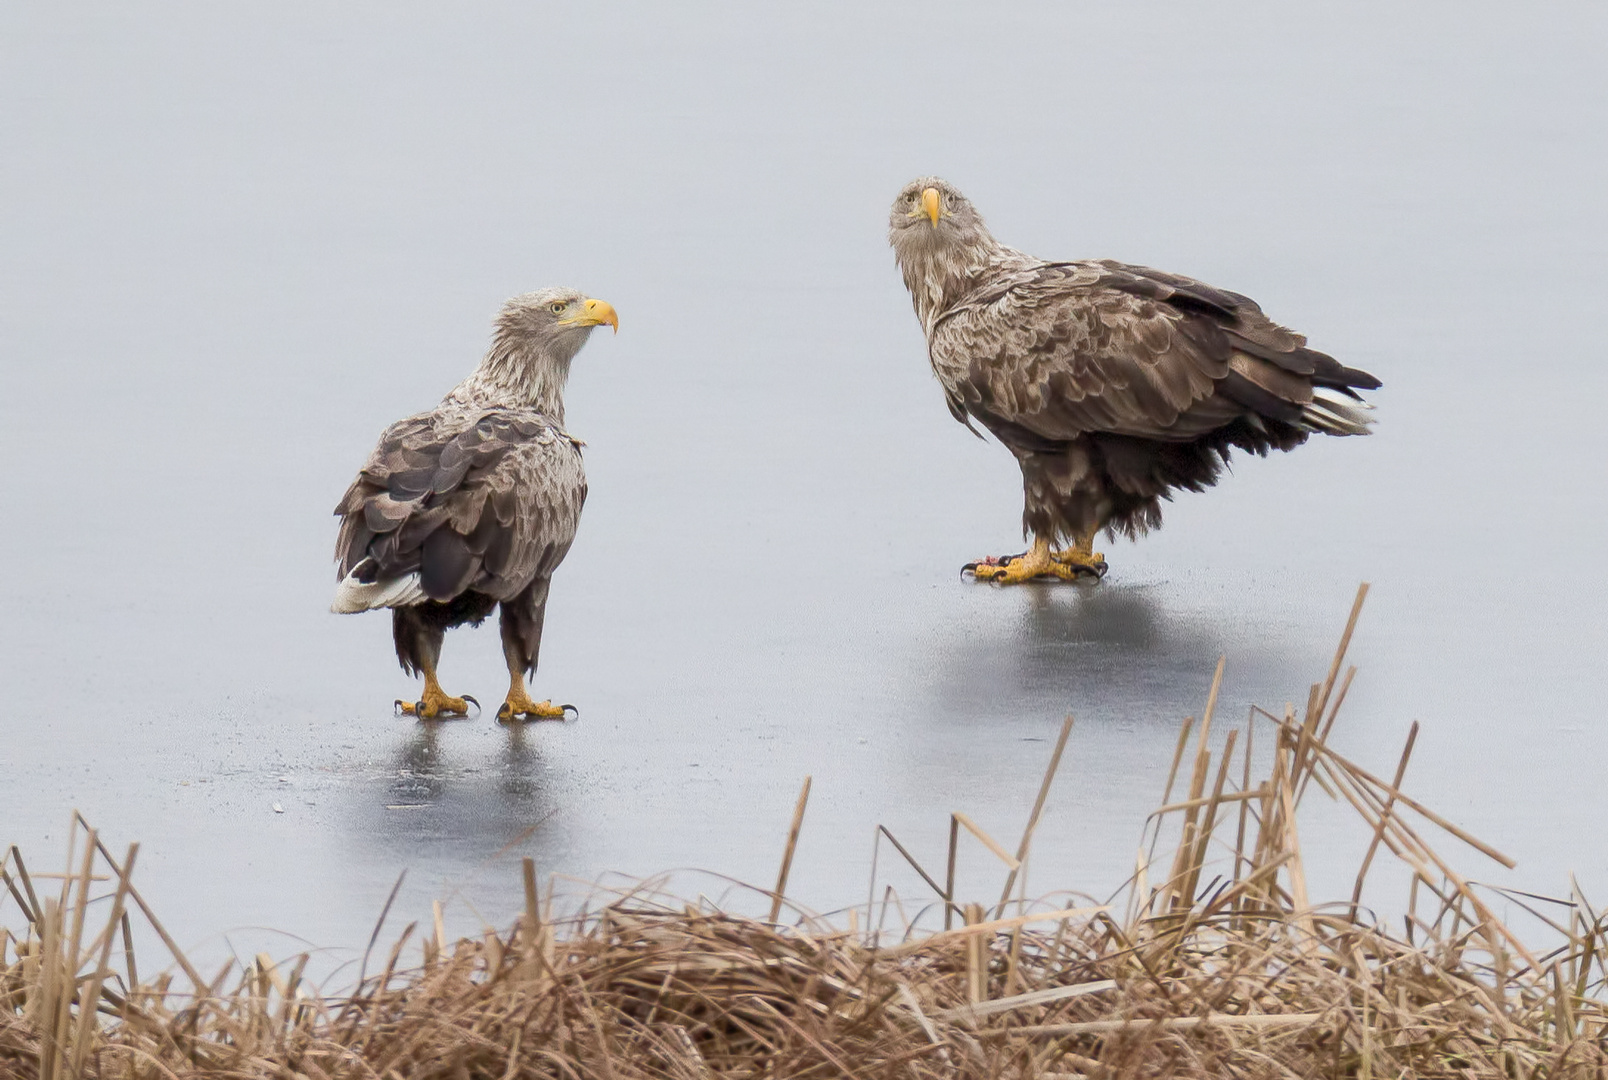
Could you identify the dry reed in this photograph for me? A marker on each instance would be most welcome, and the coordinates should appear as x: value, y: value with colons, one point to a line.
x: 1239, y: 975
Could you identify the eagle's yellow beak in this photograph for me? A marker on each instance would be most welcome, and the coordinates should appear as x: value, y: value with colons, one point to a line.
x: 929, y: 203
x: 596, y: 313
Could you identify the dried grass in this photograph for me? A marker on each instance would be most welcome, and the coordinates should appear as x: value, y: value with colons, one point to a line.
x: 1239, y: 976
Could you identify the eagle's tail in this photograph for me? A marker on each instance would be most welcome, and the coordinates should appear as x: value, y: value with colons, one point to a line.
x: 1334, y: 417
x: 356, y: 594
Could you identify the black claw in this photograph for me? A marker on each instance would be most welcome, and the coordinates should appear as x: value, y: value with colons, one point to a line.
x: 418, y: 710
x: 401, y: 707
x: 1097, y: 571
x: 571, y: 708
x: 473, y: 702
x: 990, y: 569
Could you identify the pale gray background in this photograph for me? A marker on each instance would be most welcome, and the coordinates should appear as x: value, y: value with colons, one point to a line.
x: 237, y: 240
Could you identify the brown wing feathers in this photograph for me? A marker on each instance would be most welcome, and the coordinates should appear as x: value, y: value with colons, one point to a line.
x: 1149, y: 338
x: 435, y: 503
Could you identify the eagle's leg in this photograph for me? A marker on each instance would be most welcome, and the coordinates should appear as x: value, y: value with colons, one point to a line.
x: 435, y: 702
x: 1082, y: 555
x: 419, y: 646
x: 1036, y: 561
x: 519, y: 704
x: 522, y: 641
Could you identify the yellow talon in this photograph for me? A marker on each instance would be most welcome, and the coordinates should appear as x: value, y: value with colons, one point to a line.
x: 1035, y: 562
x: 1078, y: 561
x: 520, y: 704
x: 1082, y: 555
x: 434, y: 702
x: 1092, y: 560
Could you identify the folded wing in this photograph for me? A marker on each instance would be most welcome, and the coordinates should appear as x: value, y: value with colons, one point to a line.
x: 450, y: 502
x: 1056, y: 351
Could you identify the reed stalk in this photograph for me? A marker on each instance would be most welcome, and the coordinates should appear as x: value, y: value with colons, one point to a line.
x: 1241, y: 976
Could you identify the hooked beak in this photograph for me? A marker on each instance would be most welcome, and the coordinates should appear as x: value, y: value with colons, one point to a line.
x: 929, y: 203
x: 596, y: 313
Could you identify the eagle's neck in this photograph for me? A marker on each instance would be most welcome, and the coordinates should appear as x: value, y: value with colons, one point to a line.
x: 939, y: 274
x: 518, y: 371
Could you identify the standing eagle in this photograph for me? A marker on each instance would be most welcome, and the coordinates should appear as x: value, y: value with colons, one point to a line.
x: 1112, y: 384
x: 474, y: 504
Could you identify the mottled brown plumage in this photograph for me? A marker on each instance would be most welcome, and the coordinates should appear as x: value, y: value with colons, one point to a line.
x: 1113, y: 385
x: 473, y: 505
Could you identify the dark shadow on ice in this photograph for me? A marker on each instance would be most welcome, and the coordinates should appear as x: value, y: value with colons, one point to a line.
x: 519, y: 776
x: 437, y: 802
x: 1109, y: 651
x: 418, y: 775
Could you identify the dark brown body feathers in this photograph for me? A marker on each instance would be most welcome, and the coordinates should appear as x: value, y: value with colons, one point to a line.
x: 1115, y: 385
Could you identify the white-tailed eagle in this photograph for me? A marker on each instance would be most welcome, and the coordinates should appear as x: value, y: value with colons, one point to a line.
x: 473, y: 505
x: 1113, y: 385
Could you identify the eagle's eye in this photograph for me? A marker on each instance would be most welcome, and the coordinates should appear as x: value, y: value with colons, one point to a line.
x: 557, y: 308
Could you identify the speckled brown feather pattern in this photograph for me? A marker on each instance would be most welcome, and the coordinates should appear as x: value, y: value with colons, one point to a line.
x: 472, y: 505
x: 473, y: 498
x: 1112, y: 384
x: 1073, y: 348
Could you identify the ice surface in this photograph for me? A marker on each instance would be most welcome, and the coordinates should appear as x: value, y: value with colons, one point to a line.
x: 236, y: 242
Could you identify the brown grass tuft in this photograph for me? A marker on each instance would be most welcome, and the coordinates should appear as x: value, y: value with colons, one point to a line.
x: 1239, y: 975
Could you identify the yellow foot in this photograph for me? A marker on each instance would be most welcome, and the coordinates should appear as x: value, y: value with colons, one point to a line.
x: 1089, y: 561
x: 1037, y: 562
x: 435, y: 703
x: 1015, y: 569
x: 521, y: 706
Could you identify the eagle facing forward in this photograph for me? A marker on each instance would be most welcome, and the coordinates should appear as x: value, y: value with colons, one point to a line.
x: 473, y: 505
x: 1113, y: 385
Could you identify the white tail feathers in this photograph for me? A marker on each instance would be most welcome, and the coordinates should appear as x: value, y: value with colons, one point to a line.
x: 1334, y: 417
x: 354, y: 595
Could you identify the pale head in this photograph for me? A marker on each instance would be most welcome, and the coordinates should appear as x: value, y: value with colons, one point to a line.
x: 537, y: 335
x: 940, y: 242
x: 556, y: 321
x: 930, y: 212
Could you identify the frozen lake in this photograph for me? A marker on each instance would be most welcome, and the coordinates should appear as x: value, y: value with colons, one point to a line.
x: 236, y: 243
